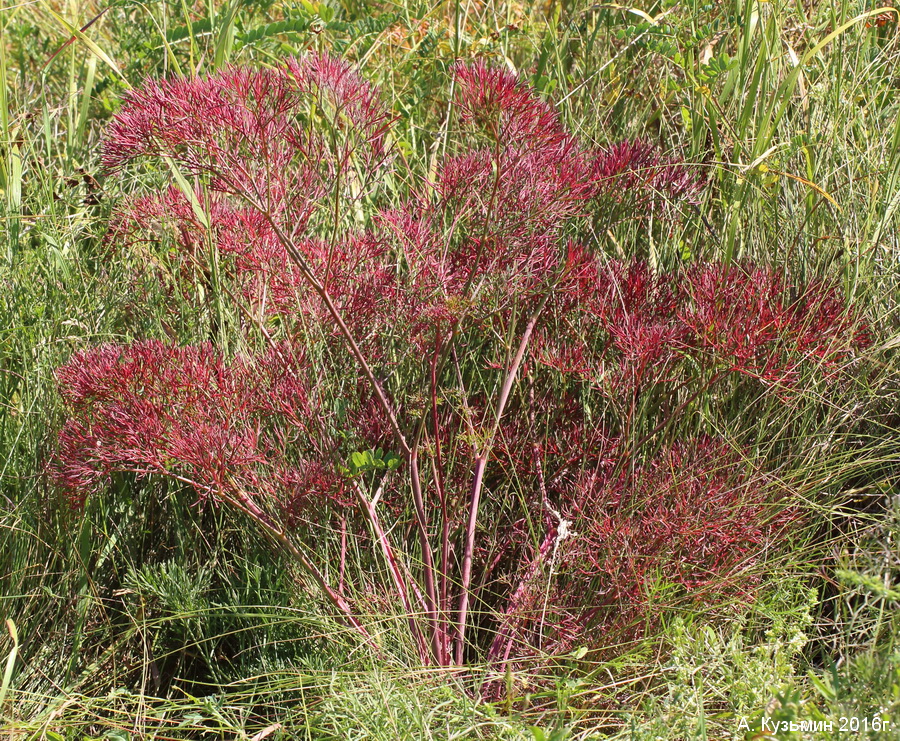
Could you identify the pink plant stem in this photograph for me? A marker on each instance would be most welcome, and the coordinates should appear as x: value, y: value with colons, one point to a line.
x: 313, y: 282
x: 443, y: 605
x: 505, y: 634
x: 507, y: 631
x: 474, y: 498
x: 244, y: 503
x: 505, y: 639
x: 443, y: 593
x: 478, y: 478
x: 434, y: 609
x: 427, y: 557
x: 396, y: 574
x: 343, y: 565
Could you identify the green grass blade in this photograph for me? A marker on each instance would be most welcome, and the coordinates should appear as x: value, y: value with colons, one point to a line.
x: 226, y: 35
x: 89, y: 43
x: 10, y: 660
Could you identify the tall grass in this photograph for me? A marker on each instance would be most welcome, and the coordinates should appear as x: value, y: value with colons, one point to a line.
x: 149, y: 617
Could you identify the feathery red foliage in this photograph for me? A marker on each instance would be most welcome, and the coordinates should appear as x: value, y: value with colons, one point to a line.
x: 737, y: 319
x: 150, y: 408
x: 455, y: 295
x: 688, y: 526
x: 262, y: 135
x: 741, y: 317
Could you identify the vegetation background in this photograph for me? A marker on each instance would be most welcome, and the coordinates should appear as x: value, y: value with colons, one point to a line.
x: 790, y: 111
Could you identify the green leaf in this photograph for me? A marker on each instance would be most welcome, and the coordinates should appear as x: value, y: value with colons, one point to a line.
x: 326, y: 12
x: 10, y: 660
x: 188, y: 193
x: 91, y: 45
x: 826, y: 690
x: 182, y: 32
x: 226, y: 34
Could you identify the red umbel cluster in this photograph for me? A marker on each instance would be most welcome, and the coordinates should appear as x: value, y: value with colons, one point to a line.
x: 263, y: 135
x: 243, y: 427
x: 686, y: 527
x: 530, y: 176
x: 630, y: 329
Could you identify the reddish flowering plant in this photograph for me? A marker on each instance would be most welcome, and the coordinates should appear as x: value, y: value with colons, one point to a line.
x: 636, y: 169
x: 424, y: 327
x: 266, y: 136
x: 151, y: 408
x: 741, y: 318
x: 691, y: 522
x: 650, y: 331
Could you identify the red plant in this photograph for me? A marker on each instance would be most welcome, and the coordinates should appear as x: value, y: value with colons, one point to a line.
x: 433, y: 316
x: 739, y: 318
x: 262, y: 135
x: 726, y: 319
x: 150, y: 408
x: 637, y: 169
x: 689, y: 524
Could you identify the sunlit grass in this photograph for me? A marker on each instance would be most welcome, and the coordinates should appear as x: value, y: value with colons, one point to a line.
x: 147, y: 617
